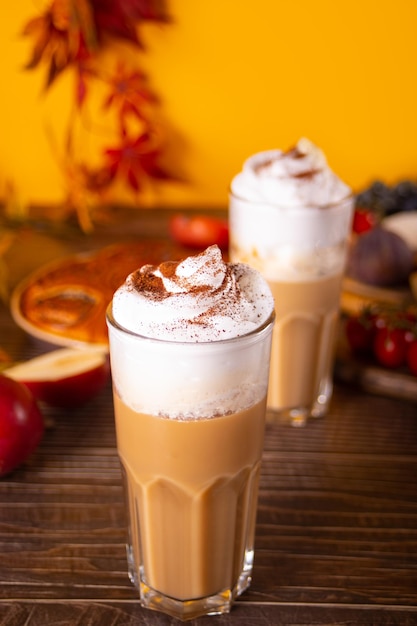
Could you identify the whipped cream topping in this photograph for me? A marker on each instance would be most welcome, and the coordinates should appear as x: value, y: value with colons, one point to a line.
x: 199, y: 299
x: 297, y: 177
x: 290, y: 214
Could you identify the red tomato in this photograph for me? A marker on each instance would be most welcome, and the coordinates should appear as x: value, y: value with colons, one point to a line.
x: 199, y: 231
x: 363, y: 220
x: 390, y: 347
x: 360, y: 334
x: 412, y: 357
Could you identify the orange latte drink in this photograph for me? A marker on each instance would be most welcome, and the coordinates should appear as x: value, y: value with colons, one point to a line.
x: 290, y: 218
x: 190, y: 349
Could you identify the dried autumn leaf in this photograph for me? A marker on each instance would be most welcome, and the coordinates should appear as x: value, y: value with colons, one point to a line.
x: 120, y: 18
x: 84, y: 71
x: 81, y: 88
x: 84, y: 185
x: 141, y: 10
x: 111, y: 21
x: 129, y: 95
x: 63, y: 34
x: 38, y: 28
x: 137, y: 159
x: 84, y: 22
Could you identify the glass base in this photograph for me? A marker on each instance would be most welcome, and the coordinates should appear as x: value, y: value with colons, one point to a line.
x: 185, y: 609
x: 298, y: 416
x: 216, y: 604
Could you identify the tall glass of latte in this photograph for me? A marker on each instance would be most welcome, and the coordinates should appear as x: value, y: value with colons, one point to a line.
x: 290, y: 218
x: 190, y: 348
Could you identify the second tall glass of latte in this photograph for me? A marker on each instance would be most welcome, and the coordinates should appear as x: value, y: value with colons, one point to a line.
x: 290, y: 218
x: 189, y: 347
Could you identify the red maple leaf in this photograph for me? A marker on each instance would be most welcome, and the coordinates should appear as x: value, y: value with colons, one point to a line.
x: 65, y: 33
x: 137, y: 159
x: 129, y: 95
x: 111, y: 21
x: 120, y: 17
x: 141, y: 10
x: 71, y: 31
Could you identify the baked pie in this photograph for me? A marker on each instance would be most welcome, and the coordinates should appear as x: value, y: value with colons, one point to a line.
x: 65, y: 302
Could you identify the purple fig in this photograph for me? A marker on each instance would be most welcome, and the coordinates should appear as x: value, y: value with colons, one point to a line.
x: 381, y: 258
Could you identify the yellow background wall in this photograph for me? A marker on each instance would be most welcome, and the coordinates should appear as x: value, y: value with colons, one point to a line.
x: 236, y: 77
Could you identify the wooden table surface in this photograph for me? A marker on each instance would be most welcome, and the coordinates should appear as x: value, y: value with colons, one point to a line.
x: 336, y: 540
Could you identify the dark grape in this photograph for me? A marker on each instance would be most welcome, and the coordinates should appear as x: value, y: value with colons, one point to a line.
x: 386, y: 200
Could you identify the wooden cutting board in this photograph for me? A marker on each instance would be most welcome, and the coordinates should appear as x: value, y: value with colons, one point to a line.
x: 367, y: 375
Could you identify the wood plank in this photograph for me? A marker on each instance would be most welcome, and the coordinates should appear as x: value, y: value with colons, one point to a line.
x: 110, y: 613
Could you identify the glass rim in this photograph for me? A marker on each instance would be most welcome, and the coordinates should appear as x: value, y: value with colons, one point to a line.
x: 325, y: 206
x: 259, y: 330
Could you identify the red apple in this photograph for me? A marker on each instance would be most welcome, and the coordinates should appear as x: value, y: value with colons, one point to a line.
x: 199, y: 231
x: 65, y: 378
x: 21, y: 424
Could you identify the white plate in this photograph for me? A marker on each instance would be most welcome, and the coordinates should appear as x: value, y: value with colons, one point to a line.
x: 403, y: 224
x: 40, y: 333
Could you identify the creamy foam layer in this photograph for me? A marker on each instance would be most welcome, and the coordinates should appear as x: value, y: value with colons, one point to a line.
x: 198, y: 299
x: 290, y: 214
x: 298, y: 177
x: 194, y: 306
